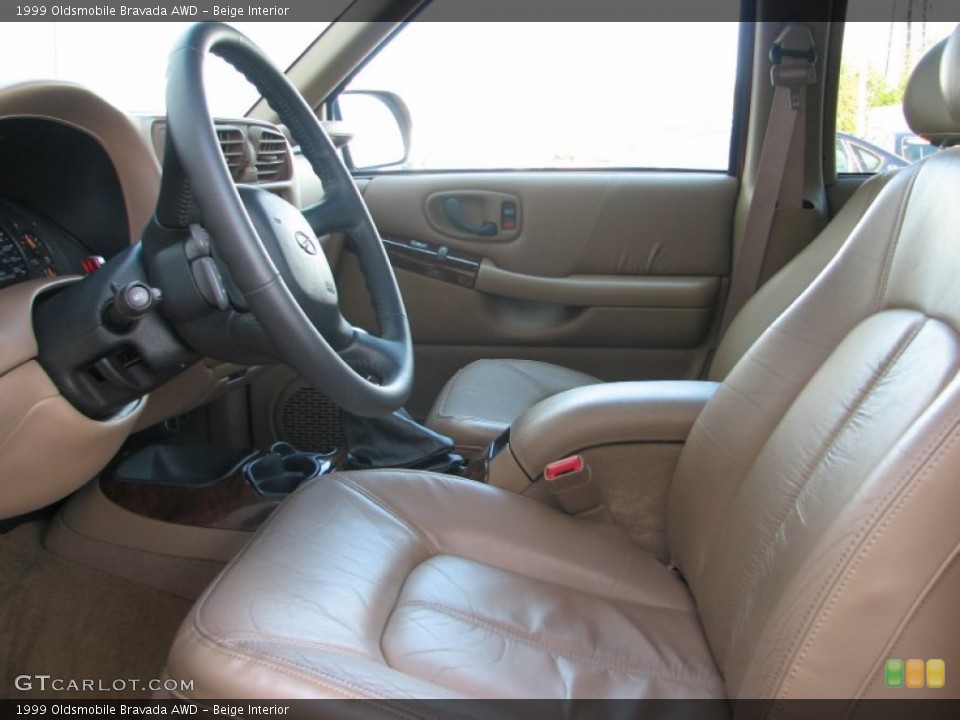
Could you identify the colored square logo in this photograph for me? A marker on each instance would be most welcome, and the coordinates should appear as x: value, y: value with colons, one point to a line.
x: 894, y: 673
x: 915, y: 672
x: 936, y: 673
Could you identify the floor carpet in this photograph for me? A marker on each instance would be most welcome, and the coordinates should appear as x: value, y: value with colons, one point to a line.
x: 71, y: 622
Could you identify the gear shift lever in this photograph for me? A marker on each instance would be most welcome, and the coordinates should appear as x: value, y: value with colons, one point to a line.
x: 397, y: 441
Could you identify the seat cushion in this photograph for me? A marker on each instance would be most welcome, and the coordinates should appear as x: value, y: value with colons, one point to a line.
x: 396, y: 584
x: 485, y: 397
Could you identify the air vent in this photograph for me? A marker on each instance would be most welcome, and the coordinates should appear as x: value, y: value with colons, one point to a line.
x: 233, y: 146
x: 272, y: 155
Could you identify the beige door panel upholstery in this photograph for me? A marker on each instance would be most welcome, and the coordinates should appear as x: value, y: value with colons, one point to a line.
x: 442, y: 313
x: 601, y: 223
x: 617, y: 274
x: 453, y: 326
x: 600, y: 290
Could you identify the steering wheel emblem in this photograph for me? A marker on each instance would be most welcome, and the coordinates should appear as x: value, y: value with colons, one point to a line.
x: 307, y: 244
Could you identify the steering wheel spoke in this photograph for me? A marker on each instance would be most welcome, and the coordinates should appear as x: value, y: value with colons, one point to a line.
x: 330, y: 215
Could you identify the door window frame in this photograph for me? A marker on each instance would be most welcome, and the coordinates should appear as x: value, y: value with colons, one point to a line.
x: 738, y: 135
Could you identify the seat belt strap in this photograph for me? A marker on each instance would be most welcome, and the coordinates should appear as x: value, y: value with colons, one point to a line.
x: 792, y: 57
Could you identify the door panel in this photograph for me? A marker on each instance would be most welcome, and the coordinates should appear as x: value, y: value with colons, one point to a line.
x: 599, y: 290
x: 617, y: 274
x: 575, y: 222
x: 475, y: 215
x: 446, y: 314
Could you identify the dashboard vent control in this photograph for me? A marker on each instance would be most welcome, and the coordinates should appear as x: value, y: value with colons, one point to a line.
x: 233, y: 146
x: 272, y: 155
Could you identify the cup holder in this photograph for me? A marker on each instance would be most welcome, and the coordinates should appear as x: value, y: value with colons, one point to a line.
x: 283, y: 469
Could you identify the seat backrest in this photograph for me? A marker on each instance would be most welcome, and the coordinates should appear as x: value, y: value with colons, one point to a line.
x: 776, y: 295
x: 927, y: 115
x: 813, y: 512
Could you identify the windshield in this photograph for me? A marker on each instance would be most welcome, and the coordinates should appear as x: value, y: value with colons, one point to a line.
x: 126, y: 63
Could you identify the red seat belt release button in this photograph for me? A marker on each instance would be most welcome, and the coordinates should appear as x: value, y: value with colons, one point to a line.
x: 558, y: 468
x: 570, y: 482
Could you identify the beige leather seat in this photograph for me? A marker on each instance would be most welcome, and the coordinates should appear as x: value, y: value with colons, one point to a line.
x: 812, y: 519
x: 484, y: 398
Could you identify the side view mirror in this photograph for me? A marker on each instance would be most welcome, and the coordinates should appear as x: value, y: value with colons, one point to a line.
x: 381, y: 128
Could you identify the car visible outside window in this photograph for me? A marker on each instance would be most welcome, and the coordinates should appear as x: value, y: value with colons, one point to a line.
x: 550, y: 96
x: 877, y: 58
x: 855, y: 155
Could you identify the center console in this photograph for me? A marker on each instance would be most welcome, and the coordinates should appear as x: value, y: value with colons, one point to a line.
x: 170, y: 516
x: 227, y: 488
x: 606, y: 452
x: 210, y: 486
x: 588, y: 419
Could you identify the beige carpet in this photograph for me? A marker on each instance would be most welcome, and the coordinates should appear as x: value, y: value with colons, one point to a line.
x: 71, y: 622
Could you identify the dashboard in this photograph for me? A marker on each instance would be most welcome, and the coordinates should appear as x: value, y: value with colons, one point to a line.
x: 62, y: 202
x: 64, y: 207
x: 79, y: 181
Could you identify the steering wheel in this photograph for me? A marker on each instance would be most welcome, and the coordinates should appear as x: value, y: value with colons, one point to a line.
x: 270, y: 250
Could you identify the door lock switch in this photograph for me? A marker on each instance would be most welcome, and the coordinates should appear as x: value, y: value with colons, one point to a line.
x: 508, y: 215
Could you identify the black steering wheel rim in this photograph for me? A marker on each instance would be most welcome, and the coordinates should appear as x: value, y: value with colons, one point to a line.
x: 366, y: 374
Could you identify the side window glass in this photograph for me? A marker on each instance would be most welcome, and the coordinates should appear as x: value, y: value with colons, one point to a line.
x: 526, y: 95
x: 876, y: 61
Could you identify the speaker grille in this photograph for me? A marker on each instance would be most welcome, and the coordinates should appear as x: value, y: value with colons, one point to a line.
x: 310, y: 420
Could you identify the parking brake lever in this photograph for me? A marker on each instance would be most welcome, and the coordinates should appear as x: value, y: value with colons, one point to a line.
x: 454, y: 213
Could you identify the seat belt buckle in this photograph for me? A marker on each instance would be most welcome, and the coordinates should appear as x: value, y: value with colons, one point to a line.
x: 569, y: 481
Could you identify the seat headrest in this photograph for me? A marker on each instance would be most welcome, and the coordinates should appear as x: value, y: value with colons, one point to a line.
x: 950, y: 74
x: 925, y: 103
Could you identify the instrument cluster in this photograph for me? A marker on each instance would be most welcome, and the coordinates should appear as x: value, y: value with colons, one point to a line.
x: 31, y: 248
